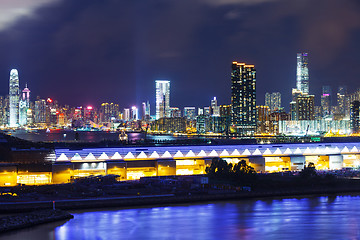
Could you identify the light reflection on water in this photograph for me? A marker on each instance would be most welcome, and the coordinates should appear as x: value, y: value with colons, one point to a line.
x: 302, y: 218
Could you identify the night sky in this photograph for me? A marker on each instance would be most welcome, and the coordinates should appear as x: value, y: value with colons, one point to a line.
x: 84, y: 52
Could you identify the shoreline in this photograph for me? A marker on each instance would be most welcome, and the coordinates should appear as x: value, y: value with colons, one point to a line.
x: 165, y: 199
x: 31, y: 219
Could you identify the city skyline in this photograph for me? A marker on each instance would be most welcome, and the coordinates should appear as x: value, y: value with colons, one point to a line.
x: 120, y: 64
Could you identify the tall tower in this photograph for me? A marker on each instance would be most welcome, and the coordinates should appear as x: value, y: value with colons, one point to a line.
x: 243, y: 98
x: 326, y: 101
x: 24, y: 105
x: 14, y: 98
x: 302, y: 73
x: 162, y: 98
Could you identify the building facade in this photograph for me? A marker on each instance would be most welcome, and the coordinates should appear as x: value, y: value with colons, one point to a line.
x: 302, y: 73
x: 14, y: 98
x: 162, y: 98
x: 243, y: 98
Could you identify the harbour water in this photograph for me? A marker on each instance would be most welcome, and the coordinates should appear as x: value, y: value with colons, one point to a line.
x: 85, y: 136
x: 336, y: 217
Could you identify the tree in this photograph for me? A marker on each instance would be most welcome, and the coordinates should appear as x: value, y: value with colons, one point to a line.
x: 309, y: 171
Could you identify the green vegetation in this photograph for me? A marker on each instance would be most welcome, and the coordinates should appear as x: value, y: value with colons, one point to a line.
x: 241, y: 172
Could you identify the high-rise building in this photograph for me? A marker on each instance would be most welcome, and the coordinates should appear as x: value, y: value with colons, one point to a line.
x: 146, y: 111
x: 175, y: 112
x: 40, y: 111
x: 302, y: 73
x: 243, y: 98
x: 127, y: 114
x: 14, y: 98
x: 215, y: 108
x: 24, y: 105
x: 162, y: 98
x: 341, y: 99
x: 305, y: 107
x: 273, y: 101
x: 190, y: 113
x: 134, y: 113
x: 355, y: 116
x: 326, y: 101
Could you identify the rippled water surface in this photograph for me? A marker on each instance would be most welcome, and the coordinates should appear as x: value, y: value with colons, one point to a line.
x: 302, y: 218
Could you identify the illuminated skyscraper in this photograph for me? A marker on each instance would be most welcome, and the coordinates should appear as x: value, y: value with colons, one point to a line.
x: 355, y: 116
x: 326, y: 101
x: 190, y: 113
x: 243, y: 98
x: 273, y: 101
x: 341, y: 99
x: 14, y: 98
x: 302, y: 73
x: 162, y: 98
x: 24, y: 105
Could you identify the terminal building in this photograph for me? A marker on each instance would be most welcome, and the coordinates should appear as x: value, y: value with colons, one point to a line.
x: 34, y: 166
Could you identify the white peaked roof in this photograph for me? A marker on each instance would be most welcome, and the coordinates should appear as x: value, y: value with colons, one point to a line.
x: 298, y: 151
x: 267, y: 152
x: 202, y: 153
x: 319, y: 150
x: 336, y: 150
x: 154, y: 155
x: 103, y: 156
x: 129, y: 155
x: 246, y: 152
x: 354, y: 149
x: 63, y: 157
x: 307, y: 151
x: 328, y: 150
x: 345, y: 149
x: 190, y: 154
x: 76, y: 157
x: 142, y: 155
x: 166, y: 155
x: 116, y: 156
x: 288, y: 151
x: 256, y: 152
x: 178, y: 154
x: 90, y: 156
x: 213, y: 154
x: 224, y: 153
x: 235, y: 153
x: 278, y: 151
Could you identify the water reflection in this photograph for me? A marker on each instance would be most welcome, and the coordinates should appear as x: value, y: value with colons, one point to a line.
x: 297, y: 218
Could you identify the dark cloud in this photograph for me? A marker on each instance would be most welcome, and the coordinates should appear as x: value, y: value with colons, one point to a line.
x: 91, y: 51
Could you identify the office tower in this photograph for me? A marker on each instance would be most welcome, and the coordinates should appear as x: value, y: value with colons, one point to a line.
x: 162, y: 98
x: 273, y: 101
x: 40, y: 111
x: 326, y: 101
x: 200, y: 111
x: 355, y: 116
x: 305, y: 107
x: 146, y: 111
x: 207, y: 111
x: 24, y: 105
x: 127, y: 114
x: 341, y: 99
x: 190, y: 113
x: 267, y: 99
x: 14, y: 98
x: 215, y: 109
x: 263, y: 119
x: 134, y: 113
x: 243, y: 98
x: 302, y: 73
x: 175, y: 112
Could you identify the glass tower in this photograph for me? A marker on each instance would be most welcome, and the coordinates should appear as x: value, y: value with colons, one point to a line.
x: 14, y: 98
x: 162, y: 98
x: 302, y: 73
x: 243, y: 98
